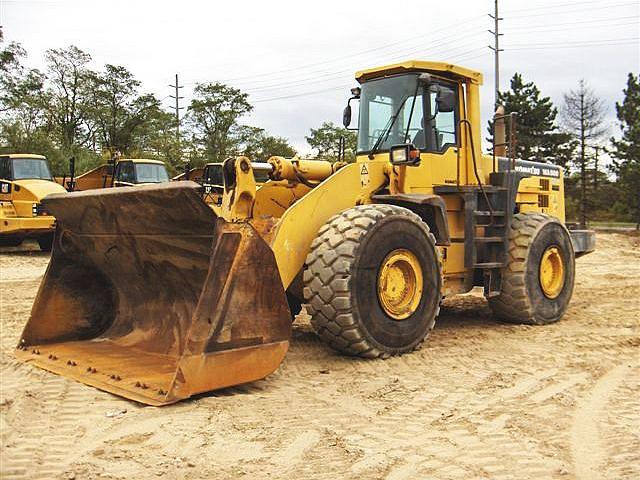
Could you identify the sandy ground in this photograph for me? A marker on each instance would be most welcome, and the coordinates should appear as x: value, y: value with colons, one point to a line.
x: 481, y: 400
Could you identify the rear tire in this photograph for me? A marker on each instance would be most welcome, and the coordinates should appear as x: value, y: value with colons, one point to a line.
x: 10, y: 241
x: 343, y: 275
x: 526, y: 297
x: 46, y: 242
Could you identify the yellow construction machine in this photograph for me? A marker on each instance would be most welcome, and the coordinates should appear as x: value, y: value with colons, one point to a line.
x: 25, y: 179
x: 152, y: 295
x: 213, y: 183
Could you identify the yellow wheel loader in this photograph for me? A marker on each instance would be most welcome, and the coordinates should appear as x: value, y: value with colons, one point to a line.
x: 25, y: 179
x: 152, y: 295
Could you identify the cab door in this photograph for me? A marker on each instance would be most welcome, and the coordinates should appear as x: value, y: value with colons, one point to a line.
x: 434, y: 127
x: 440, y: 155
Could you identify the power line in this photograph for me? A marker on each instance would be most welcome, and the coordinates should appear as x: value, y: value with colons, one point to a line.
x: 625, y: 41
x: 304, y: 94
x: 324, y: 75
x: 556, y: 6
x: 551, y: 27
x: 610, y: 44
x: 603, y: 7
x: 338, y: 74
x: 266, y: 80
x: 446, y: 28
x: 288, y: 70
x: 580, y: 42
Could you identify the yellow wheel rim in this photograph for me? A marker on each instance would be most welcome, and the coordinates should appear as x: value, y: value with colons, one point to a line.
x: 551, y: 272
x: 400, y: 284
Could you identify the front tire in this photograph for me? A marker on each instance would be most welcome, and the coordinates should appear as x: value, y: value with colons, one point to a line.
x: 537, y: 282
x: 373, y: 281
x: 46, y: 242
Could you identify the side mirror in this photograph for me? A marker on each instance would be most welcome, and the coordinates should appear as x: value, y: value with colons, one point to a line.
x: 404, y: 154
x: 446, y: 100
x: 346, y: 116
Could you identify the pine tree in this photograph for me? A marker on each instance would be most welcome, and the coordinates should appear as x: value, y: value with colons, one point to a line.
x: 538, y: 136
x: 583, y: 115
x: 626, y: 162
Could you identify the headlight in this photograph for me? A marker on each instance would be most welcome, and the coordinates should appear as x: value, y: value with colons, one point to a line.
x: 404, y: 154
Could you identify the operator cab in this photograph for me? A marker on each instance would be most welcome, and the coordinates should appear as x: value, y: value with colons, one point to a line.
x: 24, y: 167
x: 212, y: 179
x: 408, y: 109
x: 137, y: 172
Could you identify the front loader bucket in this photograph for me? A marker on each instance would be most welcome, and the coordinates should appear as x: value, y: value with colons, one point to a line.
x: 151, y: 296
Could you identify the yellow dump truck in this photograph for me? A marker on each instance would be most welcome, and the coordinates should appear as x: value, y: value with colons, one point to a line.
x: 194, y: 174
x: 25, y: 179
x: 153, y: 295
x: 124, y: 172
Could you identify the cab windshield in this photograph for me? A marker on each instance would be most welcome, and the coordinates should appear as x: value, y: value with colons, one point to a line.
x: 380, y: 101
x: 151, y: 173
x: 30, y: 168
x: 212, y: 175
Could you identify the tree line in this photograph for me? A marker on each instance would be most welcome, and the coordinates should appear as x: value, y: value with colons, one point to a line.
x: 69, y: 110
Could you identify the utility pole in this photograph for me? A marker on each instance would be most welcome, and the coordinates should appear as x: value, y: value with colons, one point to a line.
x: 595, y: 171
x: 496, y: 50
x: 177, y: 98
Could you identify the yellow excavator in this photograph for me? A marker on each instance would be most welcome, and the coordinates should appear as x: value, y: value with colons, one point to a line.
x: 152, y: 295
x: 25, y: 179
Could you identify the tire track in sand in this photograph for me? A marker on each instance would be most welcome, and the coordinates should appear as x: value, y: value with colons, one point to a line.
x: 53, y: 423
x: 586, y: 445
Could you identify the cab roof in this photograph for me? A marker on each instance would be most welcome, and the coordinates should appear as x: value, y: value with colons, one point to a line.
x: 419, y: 66
x: 141, y: 160
x: 22, y: 155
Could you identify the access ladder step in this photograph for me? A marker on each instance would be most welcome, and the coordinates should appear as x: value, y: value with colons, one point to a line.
x: 489, y: 239
x: 489, y: 265
x: 486, y: 213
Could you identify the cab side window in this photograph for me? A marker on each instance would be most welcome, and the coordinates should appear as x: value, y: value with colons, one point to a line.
x: 442, y: 128
x: 125, y: 172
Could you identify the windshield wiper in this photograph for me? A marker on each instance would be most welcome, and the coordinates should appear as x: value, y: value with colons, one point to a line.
x: 387, y: 129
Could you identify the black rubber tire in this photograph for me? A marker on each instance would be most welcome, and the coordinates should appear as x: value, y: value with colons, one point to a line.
x: 521, y: 299
x: 295, y: 306
x: 46, y: 242
x: 340, y: 281
x: 10, y: 241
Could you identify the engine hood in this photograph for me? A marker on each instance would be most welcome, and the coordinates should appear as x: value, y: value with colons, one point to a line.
x: 38, y: 189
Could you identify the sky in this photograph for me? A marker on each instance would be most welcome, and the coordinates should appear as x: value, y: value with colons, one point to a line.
x: 297, y: 59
